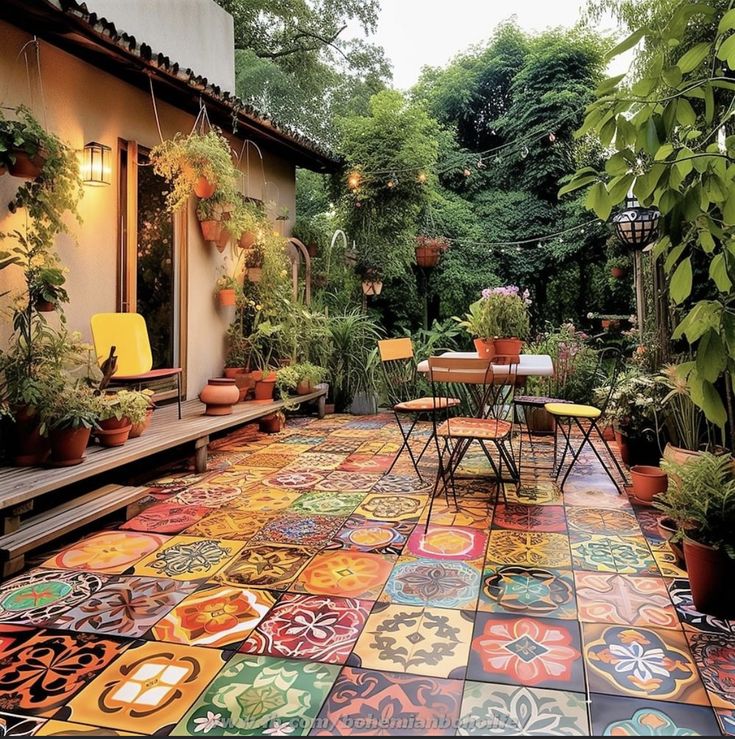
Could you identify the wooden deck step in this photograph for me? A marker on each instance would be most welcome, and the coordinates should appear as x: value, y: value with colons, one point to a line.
x: 67, y: 517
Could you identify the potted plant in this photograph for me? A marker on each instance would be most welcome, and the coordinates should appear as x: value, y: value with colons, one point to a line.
x: 366, y: 388
x: 254, y: 259
x: 69, y: 417
x: 263, y: 341
x: 198, y: 163
x: 140, y: 413
x: 648, y: 482
x: 273, y: 423
x: 119, y: 411
x: 480, y: 323
x: 47, y: 288
x: 701, y: 501
x: 309, y: 235
x: 227, y: 290
x: 429, y: 250
x: 619, y: 267
x: 25, y: 145
x: 210, y: 216
x: 301, y: 378
x: 247, y: 222
x: 508, y: 307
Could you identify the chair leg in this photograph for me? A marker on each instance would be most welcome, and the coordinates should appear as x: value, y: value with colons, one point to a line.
x: 587, y: 440
x: 178, y: 393
x: 612, y: 456
x: 566, y: 434
x: 405, y: 445
x: 440, y: 474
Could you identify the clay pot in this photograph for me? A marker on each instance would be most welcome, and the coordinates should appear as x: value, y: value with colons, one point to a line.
x: 203, y: 188
x: 711, y: 574
x: 113, y: 431
x: 45, y: 306
x: 25, y: 166
x: 648, y: 482
x: 427, y: 256
x: 304, y: 387
x: 219, y: 396
x: 265, y: 385
x: 227, y: 297
x: 680, y: 456
x: 246, y: 240
x: 211, y: 231
x: 622, y: 442
x: 329, y: 408
x: 232, y: 372
x: 507, y: 351
x: 539, y: 420
x: 608, y: 433
x: 617, y: 272
x: 245, y: 383
x: 485, y: 348
x: 138, y: 429
x: 668, y: 529
x: 30, y: 447
x: 271, y: 424
x: 68, y: 446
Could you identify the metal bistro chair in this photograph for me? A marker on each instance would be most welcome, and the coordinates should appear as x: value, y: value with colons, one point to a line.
x: 399, y: 369
x: 128, y: 333
x: 485, y: 416
x: 578, y: 415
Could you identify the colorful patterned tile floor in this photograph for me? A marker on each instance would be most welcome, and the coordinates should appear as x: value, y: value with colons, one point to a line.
x: 293, y: 590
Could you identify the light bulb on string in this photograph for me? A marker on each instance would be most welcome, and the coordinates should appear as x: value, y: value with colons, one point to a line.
x: 353, y: 181
x: 481, y: 164
x: 422, y: 177
x: 552, y: 137
x: 393, y: 181
x: 466, y: 172
x: 524, y: 152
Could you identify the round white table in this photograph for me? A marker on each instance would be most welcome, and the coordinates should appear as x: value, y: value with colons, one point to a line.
x: 531, y: 365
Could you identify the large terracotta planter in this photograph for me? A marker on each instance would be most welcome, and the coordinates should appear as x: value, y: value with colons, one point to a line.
x: 508, y: 351
x: 138, y: 429
x: 680, y: 456
x: 25, y: 166
x: 305, y: 387
x: 203, y: 188
x: 113, y: 431
x: 211, y: 231
x: 668, y: 529
x: 711, y: 576
x: 648, y: 482
x: 265, y: 385
x: 271, y: 424
x: 232, y: 372
x: 30, y: 447
x: 219, y: 396
x: 227, y: 297
x: 485, y: 348
x: 68, y: 446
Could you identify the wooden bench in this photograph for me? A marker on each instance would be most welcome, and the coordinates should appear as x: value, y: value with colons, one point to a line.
x: 67, y: 517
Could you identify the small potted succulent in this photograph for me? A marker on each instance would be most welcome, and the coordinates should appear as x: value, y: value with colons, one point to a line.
x: 429, y: 250
x: 301, y: 378
x: 118, y: 412
x: 69, y: 418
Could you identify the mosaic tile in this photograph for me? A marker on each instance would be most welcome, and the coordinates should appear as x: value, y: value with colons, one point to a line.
x: 432, y: 582
x: 617, y: 716
x: 367, y: 463
x: 327, y: 503
x: 41, y: 675
x: 337, y: 445
x: 447, y: 542
x: 641, y: 663
x: 166, y: 518
x: 292, y: 528
x: 588, y: 497
x: 146, y: 690
x: 264, y: 566
x: 344, y: 573
x: 528, y: 591
x: 211, y: 496
x: 272, y: 459
x: 229, y: 523
x: 382, y: 507
x: 624, y: 555
x: 350, y: 482
x: 67, y: 728
x: 241, y: 475
x: 188, y: 558
x: 540, y: 518
x: 318, y: 462
x: 177, y: 482
x: 614, y: 522
x: 216, y: 616
x: 621, y: 599
x: 110, y: 552
x: 533, y: 652
x: 726, y: 717
x: 666, y: 561
x: 527, y: 548
x: 127, y: 606
x: 13, y: 725
x: 320, y: 628
x: 380, y: 537
x: 648, y: 521
x: 293, y: 479
x: 258, y: 695
x: 417, y: 640
x: 12, y: 635
x: 263, y: 500
x: 39, y: 596
x: 542, y: 492
x: 397, y: 483
x: 304, y: 439
x: 506, y: 710
x: 690, y: 617
x: 368, y: 702
x: 468, y: 513
x: 715, y: 656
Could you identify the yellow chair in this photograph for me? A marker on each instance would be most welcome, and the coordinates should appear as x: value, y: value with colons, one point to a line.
x: 128, y: 333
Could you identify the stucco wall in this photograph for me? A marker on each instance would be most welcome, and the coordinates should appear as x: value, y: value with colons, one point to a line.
x: 84, y: 104
x: 197, y: 34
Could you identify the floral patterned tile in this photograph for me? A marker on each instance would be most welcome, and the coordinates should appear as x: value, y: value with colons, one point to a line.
x: 691, y: 619
x: 626, y: 555
x: 147, y: 690
x: 365, y: 702
x: 327, y: 503
x: 715, y: 657
x: 166, y: 518
x: 320, y: 628
x: 401, y: 483
x: 293, y: 528
x: 265, y: 566
x: 209, y: 495
x: 256, y: 695
x: 508, y: 710
x: 615, y: 522
x: 540, y: 492
x: 618, y: 716
x: 41, y: 675
x: 216, y: 616
x: 528, y: 548
x: 353, y: 482
x: 641, y: 663
x: 188, y: 558
x: 533, y: 652
x: 389, y: 507
x: 648, y: 521
x: 229, y: 523
x: 622, y: 599
x: 367, y: 463
x: 261, y: 500
x: 312, y: 461
x: 293, y: 479
x: 520, y: 517
x: 432, y: 582
x: 344, y: 573
x: 241, y: 475
x: 470, y: 513
x: 111, y: 552
x: 380, y: 537
x: 14, y: 725
x: 666, y: 561
x: 528, y: 591
x: 447, y: 542
x: 127, y: 606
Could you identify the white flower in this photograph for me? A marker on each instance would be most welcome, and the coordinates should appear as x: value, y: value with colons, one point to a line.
x: 212, y: 721
x: 644, y: 664
x: 279, y: 729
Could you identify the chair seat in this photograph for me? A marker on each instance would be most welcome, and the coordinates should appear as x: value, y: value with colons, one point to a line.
x: 474, y: 428
x: 573, y: 410
x: 538, y: 400
x: 156, y: 374
x: 425, y: 404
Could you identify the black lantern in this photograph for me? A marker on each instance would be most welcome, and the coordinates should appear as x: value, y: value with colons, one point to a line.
x: 96, y: 165
x: 635, y: 225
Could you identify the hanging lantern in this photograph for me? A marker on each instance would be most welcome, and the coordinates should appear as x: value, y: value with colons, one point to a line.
x: 96, y: 164
x: 635, y: 225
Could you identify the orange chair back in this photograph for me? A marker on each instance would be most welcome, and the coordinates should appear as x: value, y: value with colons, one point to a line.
x: 468, y: 371
x: 392, y: 349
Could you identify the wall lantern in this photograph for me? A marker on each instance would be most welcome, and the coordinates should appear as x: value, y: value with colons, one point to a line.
x: 96, y: 164
x: 635, y: 225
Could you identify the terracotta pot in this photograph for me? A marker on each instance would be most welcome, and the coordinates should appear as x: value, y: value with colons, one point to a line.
x: 25, y: 166
x: 427, y: 256
x: 232, y: 372
x: 622, y: 442
x: 485, y: 348
x: 329, y: 408
x: 211, y: 231
x: 610, y: 324
x: 271, y: 424
x: 254, y: 274
x: 68, y: 446
x: 372, y: 287
x: 219, y: 396
x: 30, y: 447
x: 539, y: 420
x: 246, y: 240
x: 507, y: 351
x: 265, y: 387
x: 617, y: 272
x: 245, y: 384
x: 305, y: 387
x: 608, y: 433
x: 227, y: 297
x: 680, y: 456
x: 45, y: 306
x: 668, y: 529
x: 113, y: 431
x: 648, y: 482
x: 203, y: 188
x: 711, y: 574
x: 138, y: 429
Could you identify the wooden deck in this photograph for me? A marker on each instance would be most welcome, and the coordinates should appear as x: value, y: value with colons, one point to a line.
x: 19, y: 486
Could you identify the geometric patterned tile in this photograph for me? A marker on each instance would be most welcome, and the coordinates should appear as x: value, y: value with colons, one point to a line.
x: 691, y: 618
x: 392, y: 507
x: 624, y: 555
x: 591, y: 498
x: 447, y: 543
x: 264, y: 566
x: 519, y: 517
x: 603, y: 521
x: 12, y: 725
x: 540, y: 492
x: 715, y: 655
x: 327, y: 504
x: 528, y: 548
x: 604, y: 597
x: 381, y: 537
x: 212, y: 496
x: 228, y: 523
x: 292, y: 528
x: 667, y: 561
x: 345, y: 573
x: 468, y: 513
x: 261, y: 500
x: 166, y: 518
x: 420, y: 641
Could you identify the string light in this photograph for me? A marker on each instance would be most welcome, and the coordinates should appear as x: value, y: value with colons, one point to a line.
x: 481, y: 164
x: 422, y: 177
x: 393, y: 181
x: 466, y: 172
x: 353, y: 181
x: 552, y: 137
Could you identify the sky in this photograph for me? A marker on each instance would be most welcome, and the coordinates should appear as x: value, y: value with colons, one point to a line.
x: 416, y: 33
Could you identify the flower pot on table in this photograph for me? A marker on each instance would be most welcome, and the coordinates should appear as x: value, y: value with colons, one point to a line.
x: 507, y: 351
x: 485, y: 348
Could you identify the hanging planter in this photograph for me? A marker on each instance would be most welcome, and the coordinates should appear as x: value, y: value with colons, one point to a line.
x: 26, y: 165
x: 204, y: 188
x: 618, y: 272
x: 372, y: 281
x: 636, y: 226
x: 227, y: 297
x: 429, y: 250
x: 212, y: 215
x: 246, y: 240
